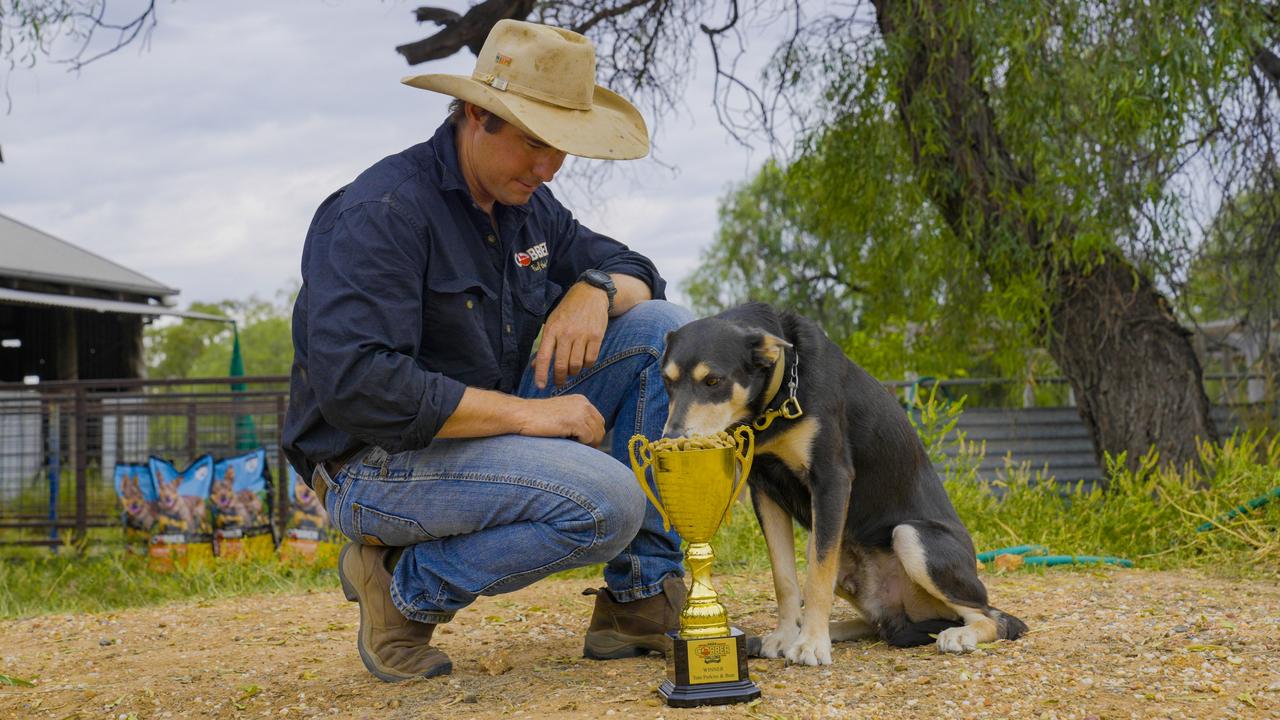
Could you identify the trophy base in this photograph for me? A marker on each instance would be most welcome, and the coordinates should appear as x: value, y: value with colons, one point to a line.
x: 708, y: 671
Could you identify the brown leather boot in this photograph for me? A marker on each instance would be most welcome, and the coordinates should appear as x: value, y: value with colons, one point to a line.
x: 622, y: 630
x: 393, y: 647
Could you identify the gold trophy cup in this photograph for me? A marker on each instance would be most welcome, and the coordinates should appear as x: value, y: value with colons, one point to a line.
x: 708, y: 662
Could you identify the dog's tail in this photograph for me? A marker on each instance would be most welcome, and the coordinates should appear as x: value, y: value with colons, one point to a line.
x: 1008, y: 627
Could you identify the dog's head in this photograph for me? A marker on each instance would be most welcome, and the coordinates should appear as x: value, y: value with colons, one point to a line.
x: 714, y: 371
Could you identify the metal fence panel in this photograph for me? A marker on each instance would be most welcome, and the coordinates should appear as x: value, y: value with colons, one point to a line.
x: 60, y: 442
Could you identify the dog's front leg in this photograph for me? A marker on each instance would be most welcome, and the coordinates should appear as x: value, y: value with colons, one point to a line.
x: 780, y: 539
x: 830, y: 504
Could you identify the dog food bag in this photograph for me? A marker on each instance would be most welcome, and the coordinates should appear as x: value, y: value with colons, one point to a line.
x: 137, y: 494
x: 240, y: 498
x: 183, y: 533
x: 308, y: 536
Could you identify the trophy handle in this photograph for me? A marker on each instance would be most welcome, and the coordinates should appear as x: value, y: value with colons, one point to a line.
x: 744, y: 451
x: 641, y: 456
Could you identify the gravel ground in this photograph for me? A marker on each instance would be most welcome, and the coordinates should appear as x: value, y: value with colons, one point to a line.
x: 1103, y: 644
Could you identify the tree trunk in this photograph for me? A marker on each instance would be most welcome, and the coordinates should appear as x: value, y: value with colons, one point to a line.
x: 1136, y: 377
x: 1137, y: 380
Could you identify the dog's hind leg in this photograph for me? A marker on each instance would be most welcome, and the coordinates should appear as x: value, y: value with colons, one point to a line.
x: 856, y: 629
x: 844, y: 630
x: 944, y: 567
x: 779, y: 538
x: 905, y: 633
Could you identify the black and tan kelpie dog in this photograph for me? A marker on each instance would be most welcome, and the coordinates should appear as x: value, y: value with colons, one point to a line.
x: 836, y: 452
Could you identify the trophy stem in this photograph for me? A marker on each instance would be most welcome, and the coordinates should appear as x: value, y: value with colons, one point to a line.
x: 703, y: 615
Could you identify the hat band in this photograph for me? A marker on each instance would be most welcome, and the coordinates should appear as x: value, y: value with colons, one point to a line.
x: 504, y: 85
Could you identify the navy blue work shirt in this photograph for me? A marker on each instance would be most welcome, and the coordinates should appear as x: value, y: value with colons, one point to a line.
x: 410, y: 294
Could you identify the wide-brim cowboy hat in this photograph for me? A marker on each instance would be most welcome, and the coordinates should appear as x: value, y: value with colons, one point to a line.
x: 542, y: 79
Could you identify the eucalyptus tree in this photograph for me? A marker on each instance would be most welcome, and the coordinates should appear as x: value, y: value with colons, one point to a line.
x: 1044, y: 158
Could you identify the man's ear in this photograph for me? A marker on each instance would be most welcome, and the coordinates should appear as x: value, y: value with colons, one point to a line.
x: 765, y: 348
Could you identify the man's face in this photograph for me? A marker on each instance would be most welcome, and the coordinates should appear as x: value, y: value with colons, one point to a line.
x: 506, y: 166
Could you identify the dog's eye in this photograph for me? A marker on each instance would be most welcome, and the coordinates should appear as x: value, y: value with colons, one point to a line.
x: 712, y: 381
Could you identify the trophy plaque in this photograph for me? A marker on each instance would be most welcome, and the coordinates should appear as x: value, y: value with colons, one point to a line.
x: 698, y: 480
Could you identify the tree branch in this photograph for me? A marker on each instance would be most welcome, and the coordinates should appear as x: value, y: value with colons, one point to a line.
x: 608, y: 13
x: 467, y: 31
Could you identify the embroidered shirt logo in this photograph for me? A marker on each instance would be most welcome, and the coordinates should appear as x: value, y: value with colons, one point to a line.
x: 534, y: 258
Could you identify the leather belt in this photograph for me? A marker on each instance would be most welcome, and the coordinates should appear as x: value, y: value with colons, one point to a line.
x: 332, y: 467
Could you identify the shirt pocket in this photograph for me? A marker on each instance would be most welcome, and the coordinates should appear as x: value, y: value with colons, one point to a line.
x: 455, y: 340
x: 538, y: 295
x: 456, y: 296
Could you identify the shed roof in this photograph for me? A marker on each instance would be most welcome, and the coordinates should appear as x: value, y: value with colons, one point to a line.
x: 31, y: 254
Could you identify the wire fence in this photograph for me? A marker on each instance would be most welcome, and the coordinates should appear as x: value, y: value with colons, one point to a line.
x: 60, y: 442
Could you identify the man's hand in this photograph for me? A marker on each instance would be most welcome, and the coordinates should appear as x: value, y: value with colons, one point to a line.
x: 570, y: 416
x: 572, y: 334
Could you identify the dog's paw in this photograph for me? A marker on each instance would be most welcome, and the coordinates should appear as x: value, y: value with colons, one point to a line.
x: 810, y: 652
x: 958, y: 640
x: 775, y: 643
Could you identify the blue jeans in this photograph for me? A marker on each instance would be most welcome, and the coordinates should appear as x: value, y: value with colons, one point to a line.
x: 484, y: 516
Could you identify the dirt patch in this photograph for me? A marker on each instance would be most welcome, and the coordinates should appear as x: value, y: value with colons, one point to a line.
x: 1103, y: 644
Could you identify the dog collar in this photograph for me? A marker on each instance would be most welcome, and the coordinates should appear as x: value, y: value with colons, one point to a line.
x: 790, y: 408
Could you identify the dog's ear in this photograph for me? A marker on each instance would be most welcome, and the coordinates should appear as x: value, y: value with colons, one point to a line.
x: 765, y: 348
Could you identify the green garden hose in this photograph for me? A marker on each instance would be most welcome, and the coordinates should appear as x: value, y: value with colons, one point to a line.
x: 1077, y: 560
x: 1038, y: 555
x: 1253, y: 504
x: 990, y: 555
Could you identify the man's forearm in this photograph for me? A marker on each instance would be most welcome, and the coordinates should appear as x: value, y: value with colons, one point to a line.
x: 484, y: 413
x: 631, y: 292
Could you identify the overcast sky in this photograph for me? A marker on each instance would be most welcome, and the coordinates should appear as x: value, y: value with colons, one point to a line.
x: 199, y: 159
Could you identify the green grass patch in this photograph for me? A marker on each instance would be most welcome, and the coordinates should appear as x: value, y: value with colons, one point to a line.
x: 38, y: 584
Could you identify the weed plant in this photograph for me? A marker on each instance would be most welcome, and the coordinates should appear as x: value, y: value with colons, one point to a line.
x: 1149, y: 515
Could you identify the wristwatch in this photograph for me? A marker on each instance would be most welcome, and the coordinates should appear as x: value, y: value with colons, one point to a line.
x: 600, y: 279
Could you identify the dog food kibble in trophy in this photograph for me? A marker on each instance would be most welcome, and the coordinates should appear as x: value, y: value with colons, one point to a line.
x: 697, y: 442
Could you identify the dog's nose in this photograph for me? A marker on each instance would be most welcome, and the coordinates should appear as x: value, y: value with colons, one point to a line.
x: 673, y: 432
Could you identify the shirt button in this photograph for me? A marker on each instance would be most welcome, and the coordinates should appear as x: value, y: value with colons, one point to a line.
x: 508, y: 329
x: 471, y: 304
x: 491, y: 240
